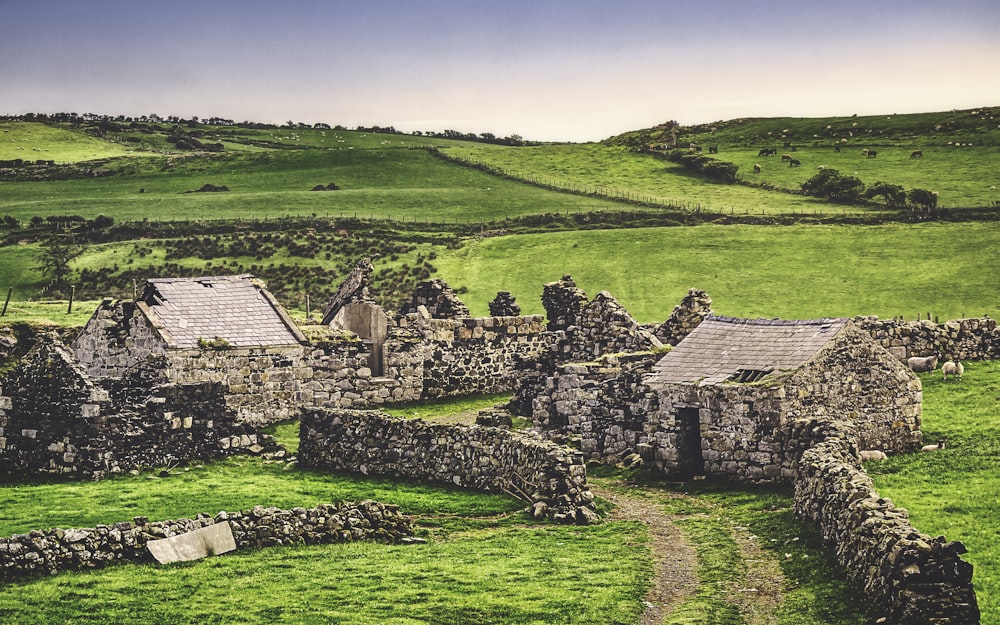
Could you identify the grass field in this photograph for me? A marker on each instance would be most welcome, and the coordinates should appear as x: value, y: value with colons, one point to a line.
x: 590, y: 167
x: 793, y: 272
x: 34, y: 141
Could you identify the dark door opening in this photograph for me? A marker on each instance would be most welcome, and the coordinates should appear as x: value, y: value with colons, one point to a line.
x: 690, y: 462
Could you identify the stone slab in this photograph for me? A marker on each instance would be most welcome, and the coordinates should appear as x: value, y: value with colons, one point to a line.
x: 200, y: 543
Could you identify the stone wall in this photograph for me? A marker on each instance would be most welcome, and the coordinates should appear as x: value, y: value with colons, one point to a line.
x: 261, y: 384
x: 47, y: 552
x: 438, y: 299
x: 916, y: 579
x: 685, y: 317
x: 959, y: 339
x: 118, y: 339
x: 55, y: 420
x: 473, y: 355
x: 602, y: 407
x: 551, y: 477
x: 563, y: 302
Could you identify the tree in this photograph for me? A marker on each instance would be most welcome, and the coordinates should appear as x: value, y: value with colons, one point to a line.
x: 56, y: 253
x: 893, y: 195
x: 923, y: 198
x: 720, y: 170
x: 833, y: 185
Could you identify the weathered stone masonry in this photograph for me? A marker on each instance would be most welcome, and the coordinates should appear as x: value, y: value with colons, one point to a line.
x: 51, y: 551
x: 55, y: 420
x: 918, y: 579
x: 551, y: 477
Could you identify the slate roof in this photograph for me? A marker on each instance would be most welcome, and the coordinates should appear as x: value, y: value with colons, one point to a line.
x: 228, y: 307
x: 720, y: 347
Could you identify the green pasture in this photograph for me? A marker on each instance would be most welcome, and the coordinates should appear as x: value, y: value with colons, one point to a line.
x: 980, y: 126
x: 594, y: 168
x: 404, y: 185
x: 793, y: 272
x: 963, y: 176
x: 33, y: 141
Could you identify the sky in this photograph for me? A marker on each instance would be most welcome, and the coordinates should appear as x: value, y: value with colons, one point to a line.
x: 548, y: 70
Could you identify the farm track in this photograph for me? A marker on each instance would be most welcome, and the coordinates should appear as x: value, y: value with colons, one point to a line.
x: 756, y: 593
x: 674, y: 560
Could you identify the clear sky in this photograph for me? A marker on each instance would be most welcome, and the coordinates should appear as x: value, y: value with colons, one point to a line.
x: 545, y: 69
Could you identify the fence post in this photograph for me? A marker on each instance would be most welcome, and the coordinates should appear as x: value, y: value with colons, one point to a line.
x: 10, y: 292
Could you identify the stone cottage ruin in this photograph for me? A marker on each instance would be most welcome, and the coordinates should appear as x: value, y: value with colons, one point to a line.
x: 729, y: 392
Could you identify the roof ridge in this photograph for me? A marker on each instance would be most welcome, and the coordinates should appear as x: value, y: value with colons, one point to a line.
x: 776, y: 321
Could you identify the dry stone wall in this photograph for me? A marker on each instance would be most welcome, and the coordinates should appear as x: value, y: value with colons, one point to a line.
x: 552, y: 478
x: 602, y: 407
x: 47, y: 552
x: 685, y: 317
x: 438, y: 299
x: 959, y: 339
x: 55, y: 420
x: 918, y: 580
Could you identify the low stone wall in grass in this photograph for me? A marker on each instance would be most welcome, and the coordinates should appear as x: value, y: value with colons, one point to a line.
x: 52, y: 551
x: 958, y: 339
x: 551, y: 477
x: 916, y: 579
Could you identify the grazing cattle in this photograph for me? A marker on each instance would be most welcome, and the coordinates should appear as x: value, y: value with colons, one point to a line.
x: 756, y: 168
x: 836, y: 148
x: 952, y: 368
x: 872, y: 153
x: 921, y: 365
x: 764, y: 152
x: 713, y: 149
x: 917, y: 154
x: 786, y: 157
x: 794, y: 162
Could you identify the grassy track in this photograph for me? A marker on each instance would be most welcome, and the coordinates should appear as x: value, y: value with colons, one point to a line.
x: 792, y: 272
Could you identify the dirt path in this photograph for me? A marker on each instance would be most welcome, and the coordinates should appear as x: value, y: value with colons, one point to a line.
x: 674, y: 577
x: 757, y: 593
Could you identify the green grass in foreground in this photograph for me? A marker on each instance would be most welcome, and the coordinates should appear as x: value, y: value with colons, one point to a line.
x: 521, y: 575
x: 238, y: 483
x: 956, y: 492
x: 793, y: 272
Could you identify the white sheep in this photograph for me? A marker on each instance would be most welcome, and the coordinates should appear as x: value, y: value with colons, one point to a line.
x: 872, y: 454
x: 952, y: 368
x: 920, y: 365
x: 937, y: 447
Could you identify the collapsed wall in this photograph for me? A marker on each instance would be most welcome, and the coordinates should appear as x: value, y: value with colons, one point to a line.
x: 552, y: 478
x: 47, y: 552
x: 54, y: 419
x: 916, y: 578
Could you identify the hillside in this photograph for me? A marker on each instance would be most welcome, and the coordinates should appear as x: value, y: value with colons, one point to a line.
x: 978, y: 127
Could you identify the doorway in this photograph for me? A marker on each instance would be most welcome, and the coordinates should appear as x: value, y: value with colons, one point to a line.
x: 690, y: 462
